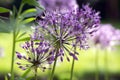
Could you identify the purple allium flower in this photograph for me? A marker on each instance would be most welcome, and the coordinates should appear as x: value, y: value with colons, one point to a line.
x: 38, y: 55
x: 58, y: 4
x: 69, y: 30
x: 106, y: 36
x: 116, y: 38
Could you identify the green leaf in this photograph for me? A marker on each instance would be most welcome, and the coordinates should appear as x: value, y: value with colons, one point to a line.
x: 13, y: 13
x: 3, y: 18
x: 21, y: 35
x: 33, y: 3
x: 5, y: 27
x: 28, y: 20
x: 2, y: 21
x: 29, y: 11
x: 23, y: 39
x: 4, y: 10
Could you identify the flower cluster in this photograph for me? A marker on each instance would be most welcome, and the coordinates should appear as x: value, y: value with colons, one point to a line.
x: 58, y: 4
x: 38, y: 55
x: 60, y: 33
x: 106, y: 36
x: 67, y: 31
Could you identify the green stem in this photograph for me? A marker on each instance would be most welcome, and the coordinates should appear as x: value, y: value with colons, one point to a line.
x: 35, y: 73
x: 72, y: 69
x: 13, y: 55
x: 54, y: 66
x: 106, y: 65
x: 14, y: 43
x: 96, y: 65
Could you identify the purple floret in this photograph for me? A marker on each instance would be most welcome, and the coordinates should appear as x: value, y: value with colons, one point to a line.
x: 19, y: 55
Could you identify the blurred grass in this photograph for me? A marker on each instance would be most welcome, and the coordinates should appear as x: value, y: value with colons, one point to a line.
x: 85, y: 64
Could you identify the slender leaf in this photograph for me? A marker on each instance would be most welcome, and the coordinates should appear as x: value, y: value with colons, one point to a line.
x: 24, y: 39
x: 32, y: 13
x: 4, y: 27
x: 28, y: 20
x: 29, y: 11
x: 4, y: 10
x: 14, y: 12
x: 21, y: 35
x: 3, y: 18
x: 33, y: 3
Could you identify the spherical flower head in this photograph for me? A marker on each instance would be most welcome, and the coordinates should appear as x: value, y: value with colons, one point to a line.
x: 106, y: 36
x: 38, y: 54
x: 69, y: 30
x: 116, y: 38
x: 58, y: 4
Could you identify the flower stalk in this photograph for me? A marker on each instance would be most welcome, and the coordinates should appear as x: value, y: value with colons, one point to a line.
x: 14, y: 41
x: 96, y: 65
x: 72, y: 68
x: 35, y: 73
x: 13, y: 55
x: 54, y: 66
x: 106, y: 64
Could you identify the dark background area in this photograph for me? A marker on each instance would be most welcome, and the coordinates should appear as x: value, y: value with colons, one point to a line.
x: 109, y: 9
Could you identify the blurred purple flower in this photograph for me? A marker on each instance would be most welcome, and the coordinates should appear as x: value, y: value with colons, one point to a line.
x: 69, y: 30
x: 38, y: 55
x: 116, y: 38
x: 58, y: 4
x: 106, y: 36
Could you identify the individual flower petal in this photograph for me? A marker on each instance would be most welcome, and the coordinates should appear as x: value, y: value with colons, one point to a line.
x: 74, y: 56
x: 19, y: 55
